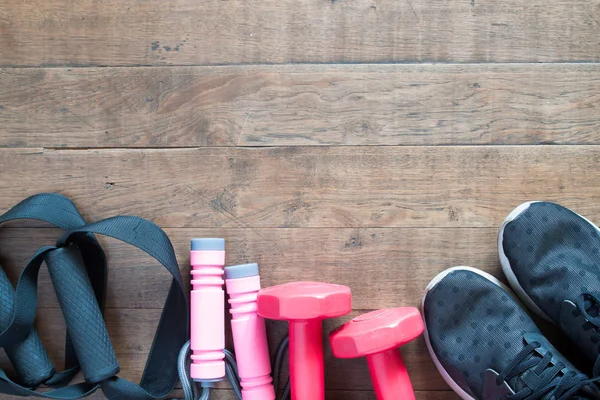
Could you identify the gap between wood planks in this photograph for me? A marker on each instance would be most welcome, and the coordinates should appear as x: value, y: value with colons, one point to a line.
x: 312, y: 63
x: 58, y: 149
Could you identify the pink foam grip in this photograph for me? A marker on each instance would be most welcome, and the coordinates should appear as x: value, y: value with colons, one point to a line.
x: 207, y: 315
x: 250, y: 339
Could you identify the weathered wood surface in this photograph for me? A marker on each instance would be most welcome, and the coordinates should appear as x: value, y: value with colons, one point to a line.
x: 340, y: 255
x: 188, y: 32
x: 309, y: 187
x: 376, y: 176
x: 300, y: 105
x: 396, y: 264
x: 132, y: 331
x: 221, y: 394
x: 385, y: 267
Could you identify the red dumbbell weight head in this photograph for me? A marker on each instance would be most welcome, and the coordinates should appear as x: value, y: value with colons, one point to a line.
x: 377, y: 336
x: 305, y: 305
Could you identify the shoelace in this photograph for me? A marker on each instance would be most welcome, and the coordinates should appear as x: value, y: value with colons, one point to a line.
x: 561, y: 387
x: 589, y: 305
x: 190, y: 388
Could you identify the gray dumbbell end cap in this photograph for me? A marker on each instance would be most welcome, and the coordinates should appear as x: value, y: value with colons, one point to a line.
x: 241, y: 271
x: 208, y: 244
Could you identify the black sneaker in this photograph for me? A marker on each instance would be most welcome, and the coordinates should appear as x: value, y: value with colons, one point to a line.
x: 486, y: 347
x: 551, y: 257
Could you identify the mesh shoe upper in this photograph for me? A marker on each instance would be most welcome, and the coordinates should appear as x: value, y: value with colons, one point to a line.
x: 554, y: 255
x: 474, y: 325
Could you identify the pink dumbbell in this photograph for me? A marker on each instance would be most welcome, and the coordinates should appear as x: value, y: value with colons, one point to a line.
x: 305, y: 305
x: 377, y: 336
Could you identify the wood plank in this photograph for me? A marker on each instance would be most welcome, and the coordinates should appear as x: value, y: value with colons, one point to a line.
x: 329, y: 395
x: 395, y: 263
x: 184, y: 32
x: 300, y: 105
x: 132, y: 331
x: 309, y: 186
x: 385, y: 267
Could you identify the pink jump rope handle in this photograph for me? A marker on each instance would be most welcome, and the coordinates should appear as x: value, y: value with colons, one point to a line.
x: 249, y: 334
x: 207, y: 259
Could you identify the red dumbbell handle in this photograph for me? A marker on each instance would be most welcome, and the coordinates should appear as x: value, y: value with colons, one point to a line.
x: 307, y: 376
x: 389, y: 376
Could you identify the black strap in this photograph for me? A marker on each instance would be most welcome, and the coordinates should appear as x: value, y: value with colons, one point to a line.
x: 77, y: 267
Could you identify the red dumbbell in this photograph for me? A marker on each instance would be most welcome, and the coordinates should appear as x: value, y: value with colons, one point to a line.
x: 305, y: 305
x: 377, y: 336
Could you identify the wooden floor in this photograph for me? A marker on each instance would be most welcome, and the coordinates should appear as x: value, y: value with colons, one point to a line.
x: 371, y: 143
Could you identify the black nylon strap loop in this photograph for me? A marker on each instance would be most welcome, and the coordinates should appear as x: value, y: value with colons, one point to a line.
x: 78, y: 271
x: 18, y: 336
x: 21, y: 324
x: 53, y: 208
x: 72, y: 392
x: 160, y: 374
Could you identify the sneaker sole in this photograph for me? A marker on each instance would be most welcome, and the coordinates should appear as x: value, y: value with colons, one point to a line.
x: 463, y: 395
x: 505, y: 263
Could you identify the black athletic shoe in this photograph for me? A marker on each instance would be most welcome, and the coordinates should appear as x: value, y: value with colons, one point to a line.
x: 487, y: 348
x: 551, y: 257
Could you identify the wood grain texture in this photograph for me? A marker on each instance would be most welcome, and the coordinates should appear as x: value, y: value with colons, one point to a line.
x: 309, y: 187
x: 187, y: 32
x: 385, y: 267
x: 221, y: 394
x: 132, y: 331
x: 300, y: 105
x: 259, y: 122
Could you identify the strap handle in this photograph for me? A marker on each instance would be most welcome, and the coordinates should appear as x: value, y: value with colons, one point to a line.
x: 160, y: 374
x: 78, y: 250
x: 82, y: 313
x: 29, y: 357
x: 17, y: 336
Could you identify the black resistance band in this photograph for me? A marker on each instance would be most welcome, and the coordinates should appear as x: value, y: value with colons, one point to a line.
x: 78, y: 270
